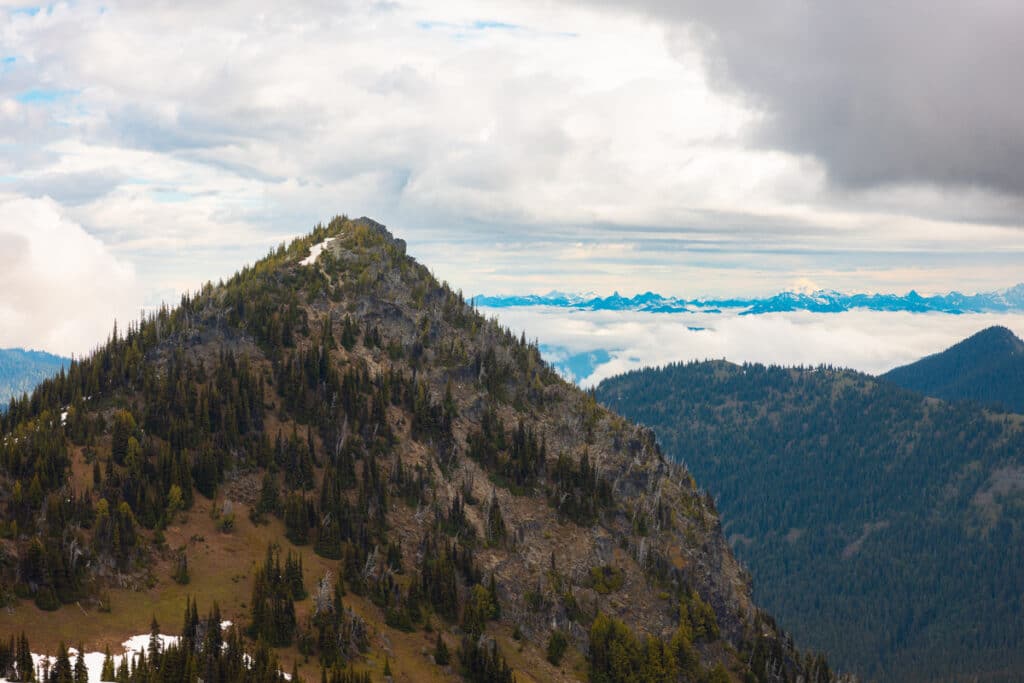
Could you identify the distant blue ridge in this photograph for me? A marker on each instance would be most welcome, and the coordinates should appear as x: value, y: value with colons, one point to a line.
x: 648, y: 301
x: 821, y: 301
x: 574, y: 366
x: 22, y: 370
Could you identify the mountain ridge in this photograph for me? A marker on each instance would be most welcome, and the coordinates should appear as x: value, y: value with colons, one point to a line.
x: 21, y: 369
x: 820, y: 301
x: 881, y: 524
x: 987, y: 367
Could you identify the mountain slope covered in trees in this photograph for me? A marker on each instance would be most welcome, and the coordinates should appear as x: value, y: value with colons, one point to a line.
x: 21, y: 371
x: 986, y: 368
x: 880, y: 525
x: 338, y: 454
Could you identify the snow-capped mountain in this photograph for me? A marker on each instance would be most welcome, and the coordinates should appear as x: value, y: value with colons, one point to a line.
x: 821, y: 301
x: 648, y: 301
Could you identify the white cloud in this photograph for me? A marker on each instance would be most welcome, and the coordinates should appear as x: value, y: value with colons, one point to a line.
x: 516, y: 147
x: 62, y: 288
x: 868, y: 341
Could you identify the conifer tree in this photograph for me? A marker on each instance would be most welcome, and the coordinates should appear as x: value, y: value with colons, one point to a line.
x: 441, y: 654
x: 123, y: 671
x: 181, y: 574
x: 81, y: 672
x: 154, y: 641
x: 107, y: 673
x: 62, y: 671
x: 23, y: 660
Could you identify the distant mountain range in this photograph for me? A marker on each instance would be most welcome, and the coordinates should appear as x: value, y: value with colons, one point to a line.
x: 21, y: 371
x: 821, y: 301
x: 987, y: 368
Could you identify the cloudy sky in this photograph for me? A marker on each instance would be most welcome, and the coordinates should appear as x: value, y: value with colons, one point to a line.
x: 691, y: 147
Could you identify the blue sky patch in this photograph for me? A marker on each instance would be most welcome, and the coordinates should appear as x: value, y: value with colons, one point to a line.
x: 42, y: 95
x: 166, y: 195
x: 483, y: 25
x: 478, y: 25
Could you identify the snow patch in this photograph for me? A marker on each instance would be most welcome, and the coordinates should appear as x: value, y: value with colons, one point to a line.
x: 94, y: 660
x: 315, y: 251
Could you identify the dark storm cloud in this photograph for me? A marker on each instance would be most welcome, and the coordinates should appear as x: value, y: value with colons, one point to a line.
x: 913, y: 91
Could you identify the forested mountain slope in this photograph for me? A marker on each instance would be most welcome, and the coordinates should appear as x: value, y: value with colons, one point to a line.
x: 882, y: 526
x: 21, y: 371
x: 341, y: 456
x: 987, y: 368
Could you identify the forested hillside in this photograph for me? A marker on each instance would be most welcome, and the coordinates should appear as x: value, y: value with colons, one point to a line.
x: 339, y: 455
x: 987, y: 368
x: 21, y: 371
x: 882, y: 526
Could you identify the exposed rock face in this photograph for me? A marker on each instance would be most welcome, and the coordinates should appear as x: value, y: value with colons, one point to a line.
x: 549, y: 558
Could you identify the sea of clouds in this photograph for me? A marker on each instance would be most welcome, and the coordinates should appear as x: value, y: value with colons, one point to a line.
x: 869, y: 341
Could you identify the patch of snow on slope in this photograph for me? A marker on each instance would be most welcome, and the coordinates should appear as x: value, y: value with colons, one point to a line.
x: 314, y: 252
x: 94, y: 660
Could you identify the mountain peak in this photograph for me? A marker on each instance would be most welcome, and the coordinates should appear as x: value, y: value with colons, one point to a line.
x: 381, y: 230
x: 996, y: 334
x: 987, y: 367
x: 350, y: 404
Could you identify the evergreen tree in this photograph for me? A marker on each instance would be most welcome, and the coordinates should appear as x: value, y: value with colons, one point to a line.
x: 23, y: 660
x: 81, y: 672
x: 441, y: 655
x: 62, y: 671
x: 107, y: 673
x: 272, y: 609
x: 181, y: 575
x: 155, y: 644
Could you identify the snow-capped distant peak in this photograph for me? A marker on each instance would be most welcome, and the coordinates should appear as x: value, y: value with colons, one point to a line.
x: 817, y: 301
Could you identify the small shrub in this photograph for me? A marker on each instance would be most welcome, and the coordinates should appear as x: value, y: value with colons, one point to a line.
x: 534, y: 600
x: 442, y: 657
x: 606, y: 579
x: 226, y: 523
x: 399, y: 619
x: 181, y: 575
x: 46, y: 599
x: 557, y: 645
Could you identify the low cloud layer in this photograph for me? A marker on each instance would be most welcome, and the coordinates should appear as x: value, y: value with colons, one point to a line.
x: 868, y: 341
x: 61, y: 288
